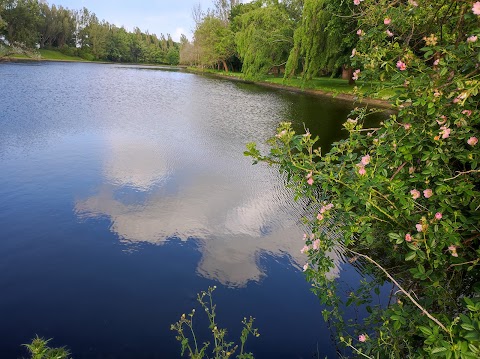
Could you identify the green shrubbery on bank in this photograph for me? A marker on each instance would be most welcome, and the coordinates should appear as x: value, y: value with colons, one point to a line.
x: 402, y: 198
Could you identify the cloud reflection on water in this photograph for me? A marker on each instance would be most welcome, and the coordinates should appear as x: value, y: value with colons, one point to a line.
x: 149, y: 199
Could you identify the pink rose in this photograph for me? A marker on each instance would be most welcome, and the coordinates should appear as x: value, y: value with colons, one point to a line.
x: 476, y: 8
x: 415, y: 194
x: 472, y: 141
x: 310, y: 178
x: 361, y: 171
x: 408, y: 237
x: 467, y: 112
x: 419, y: 227
x: 362, y: 338
x: 401, y: 65
x: 428, y: 193
x: 472, y: 38
x: 445, y: 132
x: 320, y: 217
x: 443, y: 120
x: 453, y: 250
x: 389, y: 33
x: 407, y: 126
x: 360, y: 32
x: 365, y: 160
x: 387, y: 21
x: 438, y: 216
x: 356, y: 73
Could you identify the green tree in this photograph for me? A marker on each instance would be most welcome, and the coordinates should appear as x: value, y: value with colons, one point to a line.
x: 56, y: 27
x: 22, y: 18
x: 187, y: 52
x: 324, y: 40
x: 118, y: 45
x: 173, y: 56
x: 264, y: 39
x: 3, y: 23
x: 214, y: 41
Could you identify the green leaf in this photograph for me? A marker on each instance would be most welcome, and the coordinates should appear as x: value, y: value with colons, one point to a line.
x: 467, y: 326
x: 425, y: 330
x: 410, y: 256
x: 438, y: 350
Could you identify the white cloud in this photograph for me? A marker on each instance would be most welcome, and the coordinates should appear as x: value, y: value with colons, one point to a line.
x: 178, y: 32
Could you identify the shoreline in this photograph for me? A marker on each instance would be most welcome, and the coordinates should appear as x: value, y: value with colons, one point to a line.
x: 29, y: 59
x: 318, y: 93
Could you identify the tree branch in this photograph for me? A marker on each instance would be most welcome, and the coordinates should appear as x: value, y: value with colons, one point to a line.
x: 424, y: 311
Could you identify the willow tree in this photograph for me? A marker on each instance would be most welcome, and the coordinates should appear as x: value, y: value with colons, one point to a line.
x: 324, y: 39
x: 264, y: 39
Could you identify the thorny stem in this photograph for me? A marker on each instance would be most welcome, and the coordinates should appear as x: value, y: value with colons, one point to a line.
x: 358, y: 351
x: 424, y: 311
x: 461, y: 173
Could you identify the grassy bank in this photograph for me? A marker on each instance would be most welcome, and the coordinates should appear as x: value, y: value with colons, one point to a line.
x: 58, y: 56
x: 13, y: 53
x: 324, y: 86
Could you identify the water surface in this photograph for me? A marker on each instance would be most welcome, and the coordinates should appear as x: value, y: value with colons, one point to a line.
x: 124, y: 191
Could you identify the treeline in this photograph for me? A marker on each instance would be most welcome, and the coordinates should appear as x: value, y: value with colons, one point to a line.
x: 291, y: 37
x: 36, y: 24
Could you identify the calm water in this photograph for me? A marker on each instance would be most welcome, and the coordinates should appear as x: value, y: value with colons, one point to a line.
x: 124, y: 192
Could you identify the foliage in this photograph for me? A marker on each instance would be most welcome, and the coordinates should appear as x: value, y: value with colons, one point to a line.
x: 401, y: 197
x: 56, y: 27
x: 323, y: 40
x: 39, y: 349
x: 264, y: 39
x: 215, y: 41
x: 33, y: 23
x: 308, y: 36
x: 222, y: 349
x: 22, y: 18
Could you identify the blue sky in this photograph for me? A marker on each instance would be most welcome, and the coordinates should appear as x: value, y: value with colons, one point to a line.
x: 156, y: 16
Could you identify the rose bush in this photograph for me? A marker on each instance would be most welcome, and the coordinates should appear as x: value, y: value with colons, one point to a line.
x: 403, y: 197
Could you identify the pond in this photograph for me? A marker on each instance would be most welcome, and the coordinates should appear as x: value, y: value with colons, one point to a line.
x: 124, y: 192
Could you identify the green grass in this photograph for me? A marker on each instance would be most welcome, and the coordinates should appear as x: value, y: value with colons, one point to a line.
x: 20, y: 56
x: 332, y: 85
x: 320, y: 83
x: 41, y: 54
x: 216, y: 72
x: 57, y: 55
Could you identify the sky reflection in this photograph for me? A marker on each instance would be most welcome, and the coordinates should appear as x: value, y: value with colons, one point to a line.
x: 151, y: 198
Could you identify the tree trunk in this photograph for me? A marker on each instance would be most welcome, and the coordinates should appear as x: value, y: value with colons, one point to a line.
x: 347, y: 74
x: 225, y: 67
